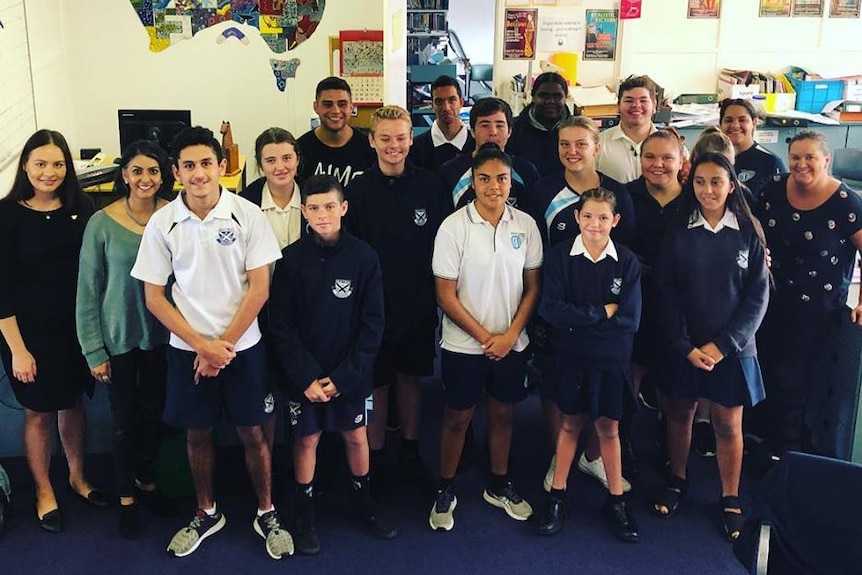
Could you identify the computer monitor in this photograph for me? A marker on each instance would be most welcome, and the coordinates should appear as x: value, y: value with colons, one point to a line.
x: 157, y: 125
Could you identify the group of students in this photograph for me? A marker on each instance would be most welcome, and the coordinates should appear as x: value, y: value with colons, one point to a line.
x: 319, y: 286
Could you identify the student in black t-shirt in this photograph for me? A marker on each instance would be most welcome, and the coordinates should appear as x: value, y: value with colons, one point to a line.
x: 448, y: 135
x: 334, y: 147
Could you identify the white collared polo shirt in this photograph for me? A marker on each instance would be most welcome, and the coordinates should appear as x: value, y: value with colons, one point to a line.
x: 488, y: 264
x: 209, y: 260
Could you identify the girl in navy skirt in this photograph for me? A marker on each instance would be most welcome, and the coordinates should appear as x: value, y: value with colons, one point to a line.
x: 591, y: 300
x: 713, y: 289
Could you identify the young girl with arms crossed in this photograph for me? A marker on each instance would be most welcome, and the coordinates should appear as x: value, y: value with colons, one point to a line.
x: 592, y: 301
x: 713, y: 289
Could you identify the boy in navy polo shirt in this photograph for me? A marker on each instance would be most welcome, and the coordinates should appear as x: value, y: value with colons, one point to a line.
x: 326, y: 323
x: 490, y: 121
x: 395, y: 207
x: 218, y: 247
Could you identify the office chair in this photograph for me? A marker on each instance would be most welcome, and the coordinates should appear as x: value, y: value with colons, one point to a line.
x: 804, y: 519
x: 482, y: 74
x: 847, y: 167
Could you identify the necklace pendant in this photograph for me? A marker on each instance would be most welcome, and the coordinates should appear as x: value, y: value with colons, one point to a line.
x: 47, y: 216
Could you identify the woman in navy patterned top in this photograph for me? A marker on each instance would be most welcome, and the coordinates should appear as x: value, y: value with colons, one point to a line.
x: 813, y: 224
x: 713, y: 288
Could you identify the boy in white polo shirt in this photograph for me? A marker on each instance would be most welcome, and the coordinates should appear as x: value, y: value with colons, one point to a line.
x: 486, y: 264
x: 218, y: 247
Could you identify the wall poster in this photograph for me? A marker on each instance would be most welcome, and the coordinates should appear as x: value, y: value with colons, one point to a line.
x: 601, y: 39
x: 519, y: 40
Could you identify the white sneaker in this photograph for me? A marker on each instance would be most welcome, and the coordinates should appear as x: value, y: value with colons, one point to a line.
x: 548, y: 482
x: 442, y: 513
x: 596, y: 470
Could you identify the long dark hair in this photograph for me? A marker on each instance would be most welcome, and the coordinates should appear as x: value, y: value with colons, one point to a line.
x: 69, y: 192
x: 153, y: 151
x: 689, y: 206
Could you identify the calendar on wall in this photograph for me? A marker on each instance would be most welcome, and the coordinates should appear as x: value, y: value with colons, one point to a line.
x: 361, y: 64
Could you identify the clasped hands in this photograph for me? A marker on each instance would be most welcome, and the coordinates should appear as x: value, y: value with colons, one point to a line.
x: 705, y: 357
x: 321, y: 390
x: 498, y: 345
x: 212, y: 357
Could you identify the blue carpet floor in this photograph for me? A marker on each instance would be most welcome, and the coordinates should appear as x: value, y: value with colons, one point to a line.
x: 484, y: 540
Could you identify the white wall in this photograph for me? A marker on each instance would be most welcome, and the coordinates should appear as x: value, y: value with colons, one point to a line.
x: 473, y: 20
x: 92, y: 58
x: 685, y: 55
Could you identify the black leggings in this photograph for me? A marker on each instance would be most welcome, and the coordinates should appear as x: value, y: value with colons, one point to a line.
x: 137, y: 396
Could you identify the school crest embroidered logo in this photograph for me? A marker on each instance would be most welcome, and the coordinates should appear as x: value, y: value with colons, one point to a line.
x: 517, y: 240
x: 742, y: 259
x: 342, y: 289
x: 745, y: 175
x: 268, y: 403
x: 420, y: 218
x: 294, y: 410
x: 226, y: 236
x: 617, y: 286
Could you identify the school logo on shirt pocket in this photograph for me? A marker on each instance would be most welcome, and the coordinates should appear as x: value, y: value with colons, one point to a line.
x: 342, y: 289
x: 420, y: 217
x: 745, y: 175
x: 517, y: 239
x: 617, y: 286
x: 742, y: 259
x: 226, y: 236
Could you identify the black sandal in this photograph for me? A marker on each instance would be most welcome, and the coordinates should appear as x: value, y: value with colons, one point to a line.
x: 732, y: 515
x: 667, y: 504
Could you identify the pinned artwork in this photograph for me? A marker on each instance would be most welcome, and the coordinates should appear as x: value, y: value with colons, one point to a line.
x: 283, y: 24
x: 282, y: 70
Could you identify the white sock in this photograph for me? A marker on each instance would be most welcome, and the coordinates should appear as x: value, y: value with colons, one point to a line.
x: 261, y: 513
x: 211, y: 511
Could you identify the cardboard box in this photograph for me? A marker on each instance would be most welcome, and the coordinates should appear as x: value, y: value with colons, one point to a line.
x: 734, y: 91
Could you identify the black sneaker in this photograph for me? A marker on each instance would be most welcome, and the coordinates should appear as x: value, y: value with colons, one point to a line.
x: 703, y: 439
x: 414, y: 470
x: 377, y: 525
x: 551, y: 519
x: 305, y: 535
x: 127, y: 521
x: 189, y: 538
x: 622, y: 523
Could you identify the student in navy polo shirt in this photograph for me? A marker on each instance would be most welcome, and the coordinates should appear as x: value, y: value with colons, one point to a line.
x: 486, y: 264
x: 713, y: 287
x: 326, y: 318
x: 395, y: 207
x: 490, y: 121
x: 448, y: 135
x: 591, y: 300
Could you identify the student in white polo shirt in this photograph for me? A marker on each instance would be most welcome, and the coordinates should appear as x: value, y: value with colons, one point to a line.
x: 218, y: 248
x: 486, y: 264
x: 621, y: 145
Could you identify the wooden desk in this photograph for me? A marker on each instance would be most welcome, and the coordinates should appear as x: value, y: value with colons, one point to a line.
x: 233, y: 183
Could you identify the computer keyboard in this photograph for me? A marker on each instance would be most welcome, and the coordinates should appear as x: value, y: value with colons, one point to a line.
x: 99, y: 174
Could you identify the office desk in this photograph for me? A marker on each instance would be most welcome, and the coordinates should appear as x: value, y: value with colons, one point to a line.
x: 103, y: 194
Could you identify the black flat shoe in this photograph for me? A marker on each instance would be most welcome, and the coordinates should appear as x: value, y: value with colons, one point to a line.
x: 95, y: 498
x: 551, y: 520
x: 622, y: 523
x: 52, y: 522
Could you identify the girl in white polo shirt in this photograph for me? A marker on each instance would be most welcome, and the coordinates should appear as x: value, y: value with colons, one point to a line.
x: 486, y: 264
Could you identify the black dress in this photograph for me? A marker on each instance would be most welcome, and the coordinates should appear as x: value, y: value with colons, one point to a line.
x: 38, y: 281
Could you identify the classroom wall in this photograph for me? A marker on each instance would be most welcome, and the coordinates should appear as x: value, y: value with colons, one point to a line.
x: 92, y: 58
x: 685, y: 55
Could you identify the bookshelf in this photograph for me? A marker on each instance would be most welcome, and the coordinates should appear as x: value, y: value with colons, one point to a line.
x: 427, y: 24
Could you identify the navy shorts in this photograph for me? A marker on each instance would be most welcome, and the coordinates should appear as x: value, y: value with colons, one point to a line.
x: 410, y: 354
x: 240, y: 390
x: 465, y: 376
x: 342, y: 413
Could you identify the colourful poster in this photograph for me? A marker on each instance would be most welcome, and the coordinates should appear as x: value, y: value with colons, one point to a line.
x: 601, y: 40
x: 774, y: 8
x: 519, y: 41
x: 808, y: 7
x: 844, y: 9
x: 704, y: 8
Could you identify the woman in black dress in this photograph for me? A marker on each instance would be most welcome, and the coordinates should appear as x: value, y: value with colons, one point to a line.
x: 41, y: 226
x: 813, y: 226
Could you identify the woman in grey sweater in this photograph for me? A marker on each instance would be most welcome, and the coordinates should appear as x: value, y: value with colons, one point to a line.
x: 123, y: 343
